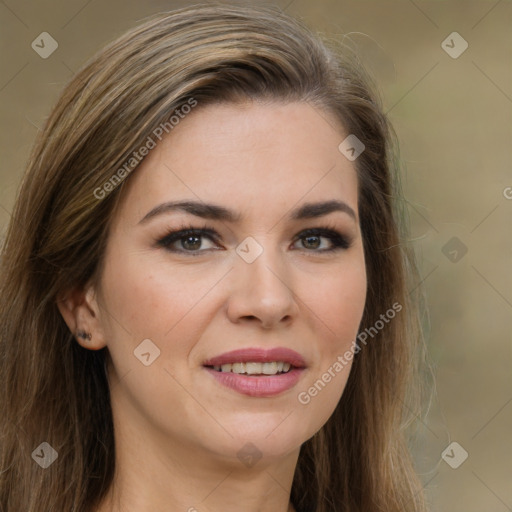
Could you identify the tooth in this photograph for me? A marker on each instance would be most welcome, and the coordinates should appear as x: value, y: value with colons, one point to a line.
x: 238, y: 368
x: 253, y: 368
x: 269, y: 368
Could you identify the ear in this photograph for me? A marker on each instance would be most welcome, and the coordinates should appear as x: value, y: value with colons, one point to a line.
x: 79, y: 309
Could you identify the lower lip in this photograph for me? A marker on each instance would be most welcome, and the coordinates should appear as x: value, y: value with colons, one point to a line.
x: 260, y: 386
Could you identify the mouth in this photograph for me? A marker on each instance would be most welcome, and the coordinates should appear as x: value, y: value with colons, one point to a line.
x: 257, y: 372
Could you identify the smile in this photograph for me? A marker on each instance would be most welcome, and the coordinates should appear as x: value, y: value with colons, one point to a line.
x: 257, y: 372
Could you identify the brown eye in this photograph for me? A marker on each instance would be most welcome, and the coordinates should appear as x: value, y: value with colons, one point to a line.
x: 311, y: 240
x: 190, y: 240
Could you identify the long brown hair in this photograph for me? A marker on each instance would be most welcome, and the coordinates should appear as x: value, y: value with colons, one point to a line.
x: 56, y: 391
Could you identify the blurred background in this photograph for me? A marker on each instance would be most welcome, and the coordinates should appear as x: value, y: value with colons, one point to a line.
x: 444, y: 69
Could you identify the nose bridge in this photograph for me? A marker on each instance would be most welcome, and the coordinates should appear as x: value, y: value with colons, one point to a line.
x: 263, y: 287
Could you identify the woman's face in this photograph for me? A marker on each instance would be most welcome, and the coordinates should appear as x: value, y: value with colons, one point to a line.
x: 255, y: 288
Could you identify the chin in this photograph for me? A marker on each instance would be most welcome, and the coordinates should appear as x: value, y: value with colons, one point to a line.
x: 267, y: 436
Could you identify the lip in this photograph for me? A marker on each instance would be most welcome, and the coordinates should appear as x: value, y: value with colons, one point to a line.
x: 258, y: 355
x: 258, y: 386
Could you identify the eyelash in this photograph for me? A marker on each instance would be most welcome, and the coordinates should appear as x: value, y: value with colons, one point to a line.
x: 339, y: 241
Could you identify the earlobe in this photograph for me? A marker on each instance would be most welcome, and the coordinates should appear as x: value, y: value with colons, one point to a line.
x: 80, y: 311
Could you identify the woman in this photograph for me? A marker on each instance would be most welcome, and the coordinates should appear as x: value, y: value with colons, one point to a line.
x: 204, y: 282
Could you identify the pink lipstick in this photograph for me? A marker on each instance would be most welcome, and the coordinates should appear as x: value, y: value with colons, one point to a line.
x: 257, y: 372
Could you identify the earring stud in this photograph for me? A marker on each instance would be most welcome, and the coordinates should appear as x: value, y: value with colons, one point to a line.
x: 84, y: 335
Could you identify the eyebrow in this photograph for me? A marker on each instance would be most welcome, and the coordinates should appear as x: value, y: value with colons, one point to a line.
x: 216, y: 212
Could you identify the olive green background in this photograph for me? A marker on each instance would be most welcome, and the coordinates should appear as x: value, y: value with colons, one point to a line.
x: 453, y: 118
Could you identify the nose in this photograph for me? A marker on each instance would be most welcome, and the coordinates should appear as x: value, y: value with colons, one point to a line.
x: 262, y: 292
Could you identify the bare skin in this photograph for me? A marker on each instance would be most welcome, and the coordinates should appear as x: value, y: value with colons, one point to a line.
x: 178, y: 430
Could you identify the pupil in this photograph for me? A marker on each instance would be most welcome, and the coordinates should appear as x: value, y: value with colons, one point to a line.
x: 197, y: 243
x: 309, y: 238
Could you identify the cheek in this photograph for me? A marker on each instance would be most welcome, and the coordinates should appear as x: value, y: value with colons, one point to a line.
x: 169, y: 306
x: 149, y: 298
x: 338, y: 304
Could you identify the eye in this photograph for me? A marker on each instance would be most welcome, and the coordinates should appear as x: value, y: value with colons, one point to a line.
x: 311, y: 239
x: 189, y: 240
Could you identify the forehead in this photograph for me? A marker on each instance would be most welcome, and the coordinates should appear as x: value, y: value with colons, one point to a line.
x: 255, y: 158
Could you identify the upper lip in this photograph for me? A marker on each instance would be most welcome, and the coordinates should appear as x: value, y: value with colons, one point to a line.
x: 258, y: 355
